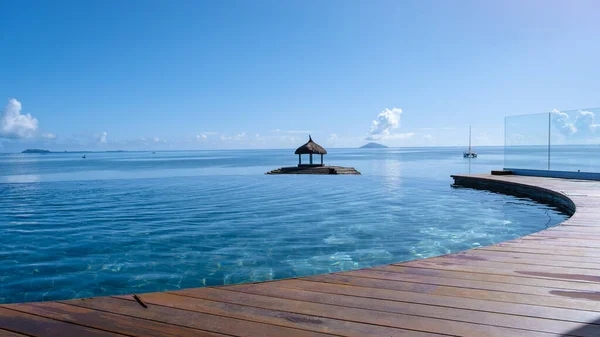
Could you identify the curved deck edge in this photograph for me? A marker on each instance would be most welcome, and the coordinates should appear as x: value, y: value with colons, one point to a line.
x: 542, y: 284
x: 505, y: 186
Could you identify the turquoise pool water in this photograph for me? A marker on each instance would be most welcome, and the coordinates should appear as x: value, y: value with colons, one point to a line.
x: 118, y: 223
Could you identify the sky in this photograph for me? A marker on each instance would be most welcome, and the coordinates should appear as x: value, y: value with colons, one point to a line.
x: 170, y: 75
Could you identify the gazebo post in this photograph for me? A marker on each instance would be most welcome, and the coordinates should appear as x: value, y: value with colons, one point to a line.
x: 311, y: 158
x: 299, y: 159
x: 321, y: 159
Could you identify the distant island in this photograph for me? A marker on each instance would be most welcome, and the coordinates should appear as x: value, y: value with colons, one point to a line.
x: 36, y: 151
x: 373, y: 146
x: 43, y: 151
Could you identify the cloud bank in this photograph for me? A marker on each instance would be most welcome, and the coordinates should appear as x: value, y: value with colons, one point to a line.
x: 15, y: 125
x: 580, y: 125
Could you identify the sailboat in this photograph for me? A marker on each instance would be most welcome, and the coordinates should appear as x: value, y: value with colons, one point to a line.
x: 470, y: 153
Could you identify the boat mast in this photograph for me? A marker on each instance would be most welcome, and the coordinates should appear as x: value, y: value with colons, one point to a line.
x: 469, y: 138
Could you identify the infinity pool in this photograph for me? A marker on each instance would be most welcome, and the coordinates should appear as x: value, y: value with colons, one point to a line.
x: 136, y: 222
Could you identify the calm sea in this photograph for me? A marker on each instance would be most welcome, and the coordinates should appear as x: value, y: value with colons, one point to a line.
x: 117, y: 223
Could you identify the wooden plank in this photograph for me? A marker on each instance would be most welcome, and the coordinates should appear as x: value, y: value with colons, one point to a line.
x: 33, y: 325
x: 409, y: 308
x: 547, y: 251
x: 462, y: 292
x: 6, y: 333
x: 537, y: 257
x: 452, y: 282
x: 573, y: 315
x: 184, y: 317
x: 368, y: 317
x: 578, y: 241
x: 545, y: 248
x: 536, y: 260
x: 573, y: 228
x: 558, y: 240
x: 538, y: 272
x: 98, y: 320
x: 586, y: 275
x: 295, y: 319
x: 469, y: 275
x: 591, y: 275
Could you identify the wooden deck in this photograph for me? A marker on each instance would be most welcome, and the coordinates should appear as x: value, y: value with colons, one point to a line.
x: 544, y: 284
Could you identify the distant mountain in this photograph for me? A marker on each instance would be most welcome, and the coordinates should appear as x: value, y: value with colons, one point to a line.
x: 36, y: 151
x: 373, y: 146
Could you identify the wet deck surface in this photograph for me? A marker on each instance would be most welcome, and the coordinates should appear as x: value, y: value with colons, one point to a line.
x: 544, y: 284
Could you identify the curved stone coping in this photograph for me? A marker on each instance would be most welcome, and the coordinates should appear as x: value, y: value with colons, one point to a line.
x: 542, y: 284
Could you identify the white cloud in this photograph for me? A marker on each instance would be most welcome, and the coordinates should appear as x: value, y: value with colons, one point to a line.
x: 48, y: 135
x: 239, y: 136
x: 102, y: 138
x: 580, y: 124
x: 563, y: 123
x: 333, y: 137
x: 407, y: 135
x: 586, y: 121
x: 201, y: 137
x: 428, y: 137
x: 386, y: 121
x: 13, y: 124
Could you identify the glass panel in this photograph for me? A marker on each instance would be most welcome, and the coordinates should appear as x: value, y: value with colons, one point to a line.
x: 575, y: 140
x: 526, y: 141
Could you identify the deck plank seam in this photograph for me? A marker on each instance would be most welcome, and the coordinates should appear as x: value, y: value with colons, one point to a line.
x: 17, y: 333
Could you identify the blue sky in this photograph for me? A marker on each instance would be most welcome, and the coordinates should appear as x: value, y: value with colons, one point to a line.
x: 261, y: 74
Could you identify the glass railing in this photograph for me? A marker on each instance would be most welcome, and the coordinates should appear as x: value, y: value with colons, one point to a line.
x: 556, y: 141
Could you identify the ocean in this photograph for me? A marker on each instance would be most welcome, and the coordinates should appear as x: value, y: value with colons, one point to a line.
x: 133, y: 222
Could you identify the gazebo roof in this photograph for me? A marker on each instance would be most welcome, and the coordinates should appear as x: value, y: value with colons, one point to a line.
x: 310, y: 148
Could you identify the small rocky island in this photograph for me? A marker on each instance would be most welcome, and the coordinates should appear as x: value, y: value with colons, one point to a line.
x: 373, y: 146
x: 36, y: 151
x: 311, y: 148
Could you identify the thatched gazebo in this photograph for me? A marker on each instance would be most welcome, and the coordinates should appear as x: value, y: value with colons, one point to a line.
x: 310, y: 148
